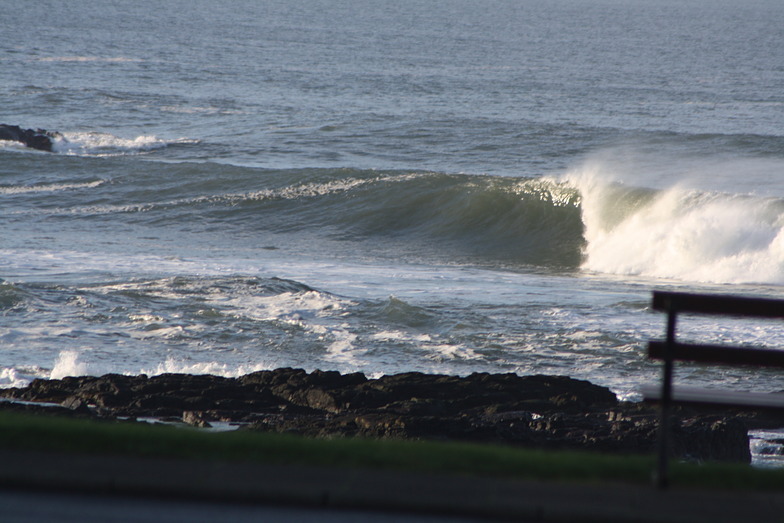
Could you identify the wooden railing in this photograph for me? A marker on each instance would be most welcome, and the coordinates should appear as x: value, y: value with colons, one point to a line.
x: 670, y: 350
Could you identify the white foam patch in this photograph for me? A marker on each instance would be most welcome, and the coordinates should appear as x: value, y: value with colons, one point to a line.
x: 172, y: 366
x: 13, y: 377
x: 311, y: 311
x: 343, y: 350
x: 453, y: 352
x: 159, y: 331
x: 102, y: 144
x: 18, y: 147
x: 400, y: 336
x: 288, y: 307
x: 69, y: 364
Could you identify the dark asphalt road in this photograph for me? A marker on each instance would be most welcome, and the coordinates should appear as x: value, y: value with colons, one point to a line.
x: 53, y: 507
x: 44, y: 486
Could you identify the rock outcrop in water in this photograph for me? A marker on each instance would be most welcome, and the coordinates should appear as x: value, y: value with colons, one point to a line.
x: 40, y: 139
x: 548, y: 412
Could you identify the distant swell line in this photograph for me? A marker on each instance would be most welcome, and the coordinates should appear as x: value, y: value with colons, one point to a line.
x: 307, y: 190
x: 49, y: 188
x: 115, y: 59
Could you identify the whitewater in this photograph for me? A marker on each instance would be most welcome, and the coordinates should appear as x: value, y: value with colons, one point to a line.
x: 357, y: 186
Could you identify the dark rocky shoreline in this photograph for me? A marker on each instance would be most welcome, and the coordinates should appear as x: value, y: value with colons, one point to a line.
x: 546, y: 412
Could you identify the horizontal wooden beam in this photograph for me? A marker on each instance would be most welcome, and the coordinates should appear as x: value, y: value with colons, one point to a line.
x: 717, y: 354
x: 718, y: 304
x: 717, y: 398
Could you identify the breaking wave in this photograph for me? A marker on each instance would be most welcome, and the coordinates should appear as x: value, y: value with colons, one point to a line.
x: 583, y: 220
x: 680, y: 232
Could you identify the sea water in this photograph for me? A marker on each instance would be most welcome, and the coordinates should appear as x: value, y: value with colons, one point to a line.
x: 442, y: 186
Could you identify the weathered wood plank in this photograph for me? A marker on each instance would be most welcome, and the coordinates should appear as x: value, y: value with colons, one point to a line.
x: 718, y: 304
x: 721, y: 354
x: 716, y: 397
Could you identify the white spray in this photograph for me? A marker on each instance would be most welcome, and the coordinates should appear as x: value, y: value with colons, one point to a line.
x: 680, y: 233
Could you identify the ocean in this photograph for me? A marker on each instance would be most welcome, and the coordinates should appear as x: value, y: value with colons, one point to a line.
x: 446, y: 186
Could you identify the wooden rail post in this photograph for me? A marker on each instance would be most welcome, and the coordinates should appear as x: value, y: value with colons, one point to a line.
x: 662, y: 477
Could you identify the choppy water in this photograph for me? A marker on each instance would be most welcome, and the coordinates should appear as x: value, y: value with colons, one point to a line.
x: 437, y: 186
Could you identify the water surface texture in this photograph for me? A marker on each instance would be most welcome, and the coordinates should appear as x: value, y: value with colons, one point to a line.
x: 441, y: 186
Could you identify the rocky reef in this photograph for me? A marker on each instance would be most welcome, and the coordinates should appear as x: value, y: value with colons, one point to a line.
x: 40, y: 139
x: 545, y: 412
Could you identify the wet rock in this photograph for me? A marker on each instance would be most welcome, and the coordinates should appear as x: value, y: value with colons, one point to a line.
x: 45, y: 409
x: 40, y: 139
x: 548, y: 412
x: 76, y: 404
x: 710, y: 438
x: 195, y: 419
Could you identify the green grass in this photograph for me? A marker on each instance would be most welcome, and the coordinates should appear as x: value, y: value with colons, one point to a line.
x: 77, y: 436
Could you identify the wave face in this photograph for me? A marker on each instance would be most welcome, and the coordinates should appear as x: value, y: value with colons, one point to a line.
x: 496, y: 219
x: 454, y: 218
x: 680, y: 233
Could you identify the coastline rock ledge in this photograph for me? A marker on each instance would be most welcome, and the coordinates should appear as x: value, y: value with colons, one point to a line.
x: 545, y: 412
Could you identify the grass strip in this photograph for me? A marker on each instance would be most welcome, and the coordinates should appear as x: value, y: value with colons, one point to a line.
x: 50, y: 433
